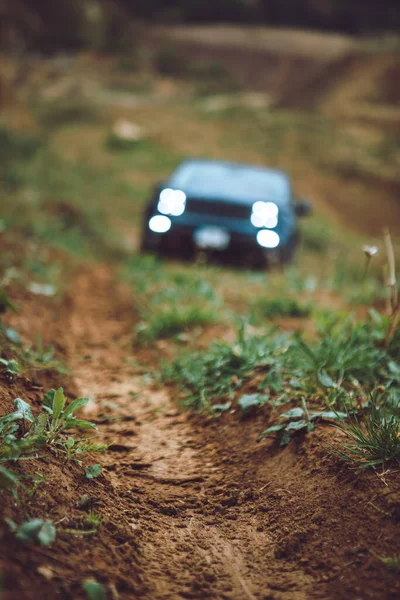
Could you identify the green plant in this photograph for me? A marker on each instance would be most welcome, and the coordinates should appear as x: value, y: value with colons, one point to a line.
x: 279, y: 307
x: 34, y: 530
x: 21, y: 433
x: 170, y: 321
x: 345, y: 352
x: 93, y: 471
x: 9, y: 368
x: 299, y: 419
x: 220, y: 370
x: 94, y: 590
x: 248, y: 402
x: 93, y: 519
x: 374, y: 440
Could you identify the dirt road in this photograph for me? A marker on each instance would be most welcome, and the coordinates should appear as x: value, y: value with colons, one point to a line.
x: 193, y: 507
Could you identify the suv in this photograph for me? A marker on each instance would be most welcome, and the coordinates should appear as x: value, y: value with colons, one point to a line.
x: 246, y: 211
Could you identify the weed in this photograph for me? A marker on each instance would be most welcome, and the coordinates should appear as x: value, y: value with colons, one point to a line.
x: 248, y: 402
x: 220, y: 370
x: 93, y: 471
x: 94, y: 590
x: 299, y: 419
x: 345, y: 353
x: 373, y: 441
x: 9, y: 369
x: 34, y: 530
x: 21, y: 433
x: 279, y: 307
x: 170, y: 321
x: 93, y: 519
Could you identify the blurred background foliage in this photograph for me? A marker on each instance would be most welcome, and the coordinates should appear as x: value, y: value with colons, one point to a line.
x: 111, y: 25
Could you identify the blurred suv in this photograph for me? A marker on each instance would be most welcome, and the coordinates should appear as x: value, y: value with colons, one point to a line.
x: 246, y: 212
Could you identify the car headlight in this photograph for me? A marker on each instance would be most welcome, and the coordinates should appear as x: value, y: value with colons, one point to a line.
x: 265, y: 214
x: 268, y: 239
x: 160, y: 224
x: 172, y: 202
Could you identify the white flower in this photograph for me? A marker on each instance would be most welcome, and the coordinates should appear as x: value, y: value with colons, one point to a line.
x: 370, y: 251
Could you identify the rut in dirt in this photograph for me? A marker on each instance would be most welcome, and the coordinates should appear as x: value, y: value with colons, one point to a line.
x: 198, y: 540
x: 216, y: 515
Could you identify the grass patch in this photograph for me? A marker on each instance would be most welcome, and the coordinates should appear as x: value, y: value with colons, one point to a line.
x: 171, y: 321
x: 169, y: 302
x: 374, y: 440
x: 216, y: 373
x: 263, y: 308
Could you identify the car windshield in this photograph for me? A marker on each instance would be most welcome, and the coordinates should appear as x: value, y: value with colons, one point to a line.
x: 231, y: 181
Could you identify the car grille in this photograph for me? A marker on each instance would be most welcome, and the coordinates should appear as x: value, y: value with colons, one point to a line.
x: 217, y: 208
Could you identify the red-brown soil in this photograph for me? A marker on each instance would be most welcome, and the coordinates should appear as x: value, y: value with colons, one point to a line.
x: 191, y: 507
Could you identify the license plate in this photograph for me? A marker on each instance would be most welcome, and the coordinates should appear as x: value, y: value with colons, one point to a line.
x: 212, y: 237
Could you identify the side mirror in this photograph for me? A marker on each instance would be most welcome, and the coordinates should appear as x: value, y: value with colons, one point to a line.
x: 302, y: 208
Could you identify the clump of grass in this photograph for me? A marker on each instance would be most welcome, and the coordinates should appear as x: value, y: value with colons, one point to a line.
x: 217, y: 372
x: 169, y: 303
x: 374, y: 440
x: 171, y: 321
x: 264, y: 308
x: 93, y: 519
x: 344, y: 352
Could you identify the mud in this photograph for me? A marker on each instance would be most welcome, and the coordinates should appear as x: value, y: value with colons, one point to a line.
x: 191, y: 507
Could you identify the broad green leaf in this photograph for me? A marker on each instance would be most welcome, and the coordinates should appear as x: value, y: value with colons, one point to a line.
x: 93, y: 471
x: 39, y: 425
x: 13, y: 336
x: 37, y: 530
x: 272, y: 429
x: 47, y: 534
x: 80, y: 424
x: 293, y: 413
x: 298, y: 425
x: 58, y: 403
x: 22, y: 410
x: 48, y: 399
x: 273, y: 380
x: 27, y: 532
x: 249, y: 401
x: 285, y: 438
x: 328, y: 414
x: 75, y: 404
x: 13, y: 366
x: 326, y: 380
x: 94, y: 590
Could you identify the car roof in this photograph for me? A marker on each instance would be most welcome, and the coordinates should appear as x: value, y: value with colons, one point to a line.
x: 238, y: 182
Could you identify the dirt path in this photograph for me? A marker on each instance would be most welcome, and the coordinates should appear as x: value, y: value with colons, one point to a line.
x: 216, y: 515
x: 194, y: 545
